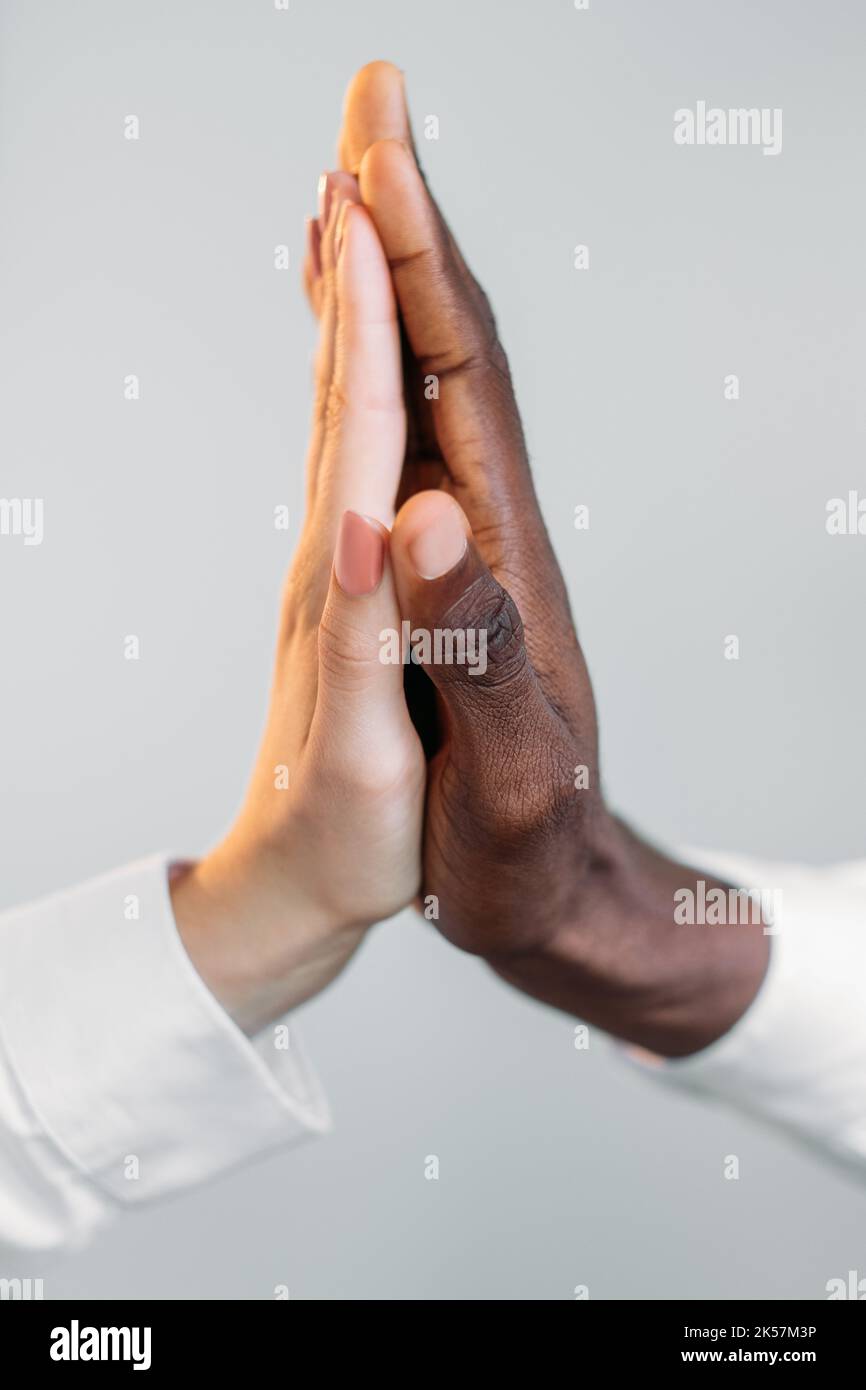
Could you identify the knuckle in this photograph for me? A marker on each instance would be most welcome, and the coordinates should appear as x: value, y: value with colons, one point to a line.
x: 347, y: 654
x: 355, y: 772
x: 302, y: 596
x: 377, y: 779
x: 482, y: 307
x: 352, y: 777
x: 535, y: 799
x: 472, y: 347
x: 485, y: 309
x: 471, y: 354
x: 489, y: 612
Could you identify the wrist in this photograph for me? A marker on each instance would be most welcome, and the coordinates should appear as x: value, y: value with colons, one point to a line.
x: 261, y: 941
x: 626, y: 964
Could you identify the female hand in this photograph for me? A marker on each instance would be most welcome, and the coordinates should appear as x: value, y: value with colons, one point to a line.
x: 328, y: 840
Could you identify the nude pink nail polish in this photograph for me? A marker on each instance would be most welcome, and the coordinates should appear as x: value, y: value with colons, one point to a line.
x: 360, y: 555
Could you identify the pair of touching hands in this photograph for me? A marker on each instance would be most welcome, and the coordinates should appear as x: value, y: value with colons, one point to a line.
x: 473, y: 790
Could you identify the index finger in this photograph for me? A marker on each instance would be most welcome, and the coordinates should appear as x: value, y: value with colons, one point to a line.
x: 464, y: 376
x: 447, y: 318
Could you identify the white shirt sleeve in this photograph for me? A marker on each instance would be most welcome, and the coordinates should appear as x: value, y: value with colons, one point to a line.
x: 797, y: 1057
x: 121, y: 1077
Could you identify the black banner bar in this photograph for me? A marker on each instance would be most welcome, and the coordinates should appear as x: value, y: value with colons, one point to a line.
x: 161, y: 1338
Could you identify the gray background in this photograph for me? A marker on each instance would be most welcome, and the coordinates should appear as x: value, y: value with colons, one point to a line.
x: 558, y: 1167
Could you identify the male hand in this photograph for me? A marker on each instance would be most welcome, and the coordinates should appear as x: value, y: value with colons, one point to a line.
x: 529, y: 868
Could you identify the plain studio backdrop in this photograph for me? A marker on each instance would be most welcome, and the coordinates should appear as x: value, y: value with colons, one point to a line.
x: 155, y: 257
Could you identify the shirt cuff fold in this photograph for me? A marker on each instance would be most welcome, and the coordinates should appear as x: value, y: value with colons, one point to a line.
x: 130, y: 1064
x: 797, y: 1056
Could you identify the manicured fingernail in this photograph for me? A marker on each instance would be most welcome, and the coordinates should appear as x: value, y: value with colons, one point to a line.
x: 360, y: 555
x: 440, y: 545
x: 325, y: 189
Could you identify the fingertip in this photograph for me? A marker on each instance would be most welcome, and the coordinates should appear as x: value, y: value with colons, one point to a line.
x: 431, y: 534
x: 424, y: 508
x: 334, y: 189
x: 363, y: 243
x: 363, y: 278
x: 379, y: 82
x: 333, y: 184
x: 393, y: 190
x: 387, y: 164
x: 374, y: 108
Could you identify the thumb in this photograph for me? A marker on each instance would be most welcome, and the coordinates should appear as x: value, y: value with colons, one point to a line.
x: 466, y: 630
x: 359, y: 700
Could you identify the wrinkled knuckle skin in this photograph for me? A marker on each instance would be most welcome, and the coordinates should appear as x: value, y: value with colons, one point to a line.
x: 533, y: 796
x: 347, y: 654
x: 479, y: 354
x: 486, y: 607
x: 302, y: 598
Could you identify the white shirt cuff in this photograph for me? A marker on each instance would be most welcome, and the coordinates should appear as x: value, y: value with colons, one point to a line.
x: 797, y: 1057
x: 130, y: 1064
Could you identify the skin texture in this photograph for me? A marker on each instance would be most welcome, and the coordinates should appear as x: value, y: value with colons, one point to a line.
x: 529, y: 872
x: 275, y: 911
x: 494, y: 777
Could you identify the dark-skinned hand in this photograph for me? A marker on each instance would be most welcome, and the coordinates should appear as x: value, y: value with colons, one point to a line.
x: 529, y: 868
